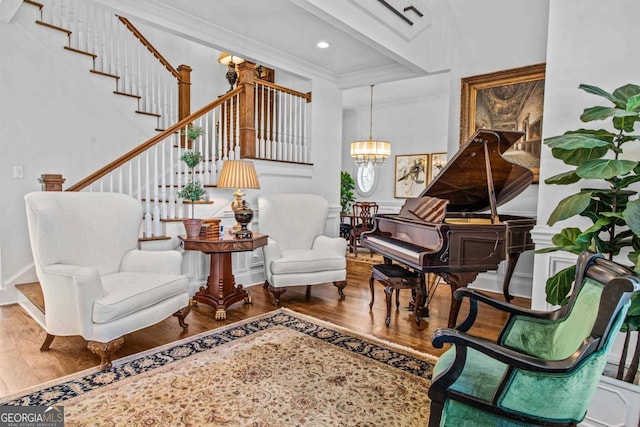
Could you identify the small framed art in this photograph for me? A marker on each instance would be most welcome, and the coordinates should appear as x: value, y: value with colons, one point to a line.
x: 411, y: 175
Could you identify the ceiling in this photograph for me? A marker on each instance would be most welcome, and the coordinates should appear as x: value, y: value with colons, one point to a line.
x: 366, y: 45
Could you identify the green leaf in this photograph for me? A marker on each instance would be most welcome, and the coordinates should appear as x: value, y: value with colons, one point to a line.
x: 572, y: 141
x: 558, y: 286
x: 570, y: 206
x: 580, y: 155
x: 625, y: 92
x: 627, y: 180
x: 631, y: 216
x: 605, y: 168
x: 563, y: 178
x: 588, y: 235
x: 633, y: 103
x: 601, y: 113
x: 626, y: 124
x: 566, y: 237
x: 597, y: 91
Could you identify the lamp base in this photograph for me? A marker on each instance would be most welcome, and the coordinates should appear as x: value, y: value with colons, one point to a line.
x: 244, y: 234
x: 243, y: 216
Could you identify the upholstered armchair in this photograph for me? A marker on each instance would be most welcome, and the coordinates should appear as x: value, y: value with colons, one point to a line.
x: 544, y: 367
x: 95, y: 281
x: 298, y: 252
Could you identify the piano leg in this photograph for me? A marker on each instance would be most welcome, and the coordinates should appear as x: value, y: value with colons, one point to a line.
x: 512, y: 260
x: 457, y: 280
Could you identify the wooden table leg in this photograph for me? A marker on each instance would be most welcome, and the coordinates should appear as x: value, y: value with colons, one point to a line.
x: 221, y: 290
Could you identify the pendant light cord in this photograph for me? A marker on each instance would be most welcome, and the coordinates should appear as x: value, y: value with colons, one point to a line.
x: 371, y: 116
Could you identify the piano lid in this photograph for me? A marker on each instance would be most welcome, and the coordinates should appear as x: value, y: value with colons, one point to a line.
x: 464, y: 179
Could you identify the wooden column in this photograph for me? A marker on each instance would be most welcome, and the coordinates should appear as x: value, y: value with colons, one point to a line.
x: 184, y: 91
x: 246, y: 78
x: 51, y: 182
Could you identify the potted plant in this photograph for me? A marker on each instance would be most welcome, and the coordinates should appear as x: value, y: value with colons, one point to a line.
x: 347, y: 184
x: 193, y: 192
x: 608, y: 200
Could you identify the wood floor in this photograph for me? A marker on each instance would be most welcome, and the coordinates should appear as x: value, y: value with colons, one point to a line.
x: 22, y: 365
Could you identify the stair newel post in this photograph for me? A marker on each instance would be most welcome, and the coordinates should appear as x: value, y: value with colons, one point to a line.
x: 246, y: 78
x: 184, y: 96
x: 51, y: 182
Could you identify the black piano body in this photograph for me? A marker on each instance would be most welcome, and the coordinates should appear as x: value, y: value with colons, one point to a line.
x: 444, y: 230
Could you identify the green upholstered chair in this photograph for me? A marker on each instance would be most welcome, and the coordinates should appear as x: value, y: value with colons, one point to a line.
x: 544, y: 367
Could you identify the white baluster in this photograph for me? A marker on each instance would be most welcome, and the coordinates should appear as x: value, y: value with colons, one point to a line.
x: 148, y: 226
x: 157, y: 228
x: 163, y: 177
x: 237, y: 131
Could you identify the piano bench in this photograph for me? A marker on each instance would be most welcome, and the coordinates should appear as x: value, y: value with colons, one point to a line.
x: 394, y: 277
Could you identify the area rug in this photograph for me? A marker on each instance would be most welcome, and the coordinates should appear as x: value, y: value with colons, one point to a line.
x: 365, y: 257
x: 277, y: 369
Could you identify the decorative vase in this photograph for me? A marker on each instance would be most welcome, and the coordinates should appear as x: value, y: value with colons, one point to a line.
x: 192, y: 227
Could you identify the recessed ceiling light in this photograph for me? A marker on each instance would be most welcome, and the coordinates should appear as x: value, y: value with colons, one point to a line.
x: 323, y: 45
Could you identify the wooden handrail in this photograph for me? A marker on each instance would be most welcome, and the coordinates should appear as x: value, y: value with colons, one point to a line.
x: 153, y: 141
x: 306, y: 96
x: 149, y: 46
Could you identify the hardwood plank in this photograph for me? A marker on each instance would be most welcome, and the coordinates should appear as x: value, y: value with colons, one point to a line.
x: 23, y: 365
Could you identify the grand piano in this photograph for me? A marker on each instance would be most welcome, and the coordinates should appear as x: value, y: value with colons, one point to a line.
x: 453, y: 228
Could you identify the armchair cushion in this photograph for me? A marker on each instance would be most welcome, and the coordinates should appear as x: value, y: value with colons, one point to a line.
x: 128, y: 292
x: 307, y: 261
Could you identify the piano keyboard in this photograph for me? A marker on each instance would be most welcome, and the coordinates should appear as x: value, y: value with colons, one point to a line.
x: 404, y: 250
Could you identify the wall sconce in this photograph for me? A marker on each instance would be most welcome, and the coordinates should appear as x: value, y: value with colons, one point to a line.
x: 230, y: 61
x: 370, y: 151
x: 239, y: 174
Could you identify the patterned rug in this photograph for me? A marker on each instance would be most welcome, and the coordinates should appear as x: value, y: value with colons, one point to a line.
x: 278, y: 369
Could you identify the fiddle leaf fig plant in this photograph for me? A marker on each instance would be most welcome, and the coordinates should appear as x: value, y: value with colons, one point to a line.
x: 347, y: 184
x: 609, y: 199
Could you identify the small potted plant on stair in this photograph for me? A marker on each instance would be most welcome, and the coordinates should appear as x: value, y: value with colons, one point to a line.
x: 192, y: 192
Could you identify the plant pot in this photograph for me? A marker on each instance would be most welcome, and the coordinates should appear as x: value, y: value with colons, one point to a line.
x: 192, y: 227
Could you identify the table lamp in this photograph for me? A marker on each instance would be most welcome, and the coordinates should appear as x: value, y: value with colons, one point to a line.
x: 239, y: 174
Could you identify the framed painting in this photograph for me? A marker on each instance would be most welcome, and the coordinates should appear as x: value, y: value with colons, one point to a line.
x: 511, y: 100
x: 411, y: 173
x: 437, y: 162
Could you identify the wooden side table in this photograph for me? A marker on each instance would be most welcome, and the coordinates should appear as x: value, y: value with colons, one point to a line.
x: 221, y: 290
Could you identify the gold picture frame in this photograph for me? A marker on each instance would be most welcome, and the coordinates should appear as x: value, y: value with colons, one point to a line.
x: 511, y: 100
x: 411, y: 175
x: 436, y: 164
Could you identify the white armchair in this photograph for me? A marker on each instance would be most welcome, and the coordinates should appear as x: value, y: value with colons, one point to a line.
x: 95, y: 281
x: 298, y: 252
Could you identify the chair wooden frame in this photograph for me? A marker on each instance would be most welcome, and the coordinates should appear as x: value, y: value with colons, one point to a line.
x: 361, y: 222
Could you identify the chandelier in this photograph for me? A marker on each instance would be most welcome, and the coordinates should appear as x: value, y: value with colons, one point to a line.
x: 370, y: 151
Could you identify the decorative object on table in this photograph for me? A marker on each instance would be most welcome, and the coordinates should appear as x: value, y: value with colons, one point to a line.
x: 210, y: 229
x: 192, y: 192
x: 370, y: 151
x: 437, y: 161
x: 410, y: 175
x: 230, y: 61
x: 598, y: 156
x: 239, y: 174
x: 511, y: 100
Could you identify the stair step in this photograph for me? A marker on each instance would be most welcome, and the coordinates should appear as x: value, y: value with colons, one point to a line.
x: 101, y: 73
x: 147, y: 113
x: 127, y: 94
x: 53, y: 27
x: 34, y: 3
x: 150, y: 239
x: 81, y: 52
x: 33, y: 292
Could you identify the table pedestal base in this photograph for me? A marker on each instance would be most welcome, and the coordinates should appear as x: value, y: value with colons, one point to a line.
x: 221, y: 290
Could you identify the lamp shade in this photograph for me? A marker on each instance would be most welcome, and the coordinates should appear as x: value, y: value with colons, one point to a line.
x: 238, y: 174
x: 227, y: 58
x: 370, y: 151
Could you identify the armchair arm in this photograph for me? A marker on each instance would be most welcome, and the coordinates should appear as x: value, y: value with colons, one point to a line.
x: 168, y: 262
x: 333, y: 244
x: 507, y: 356
x: 76, y: 289
x: 271, y: 251
x: 475, y: 296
